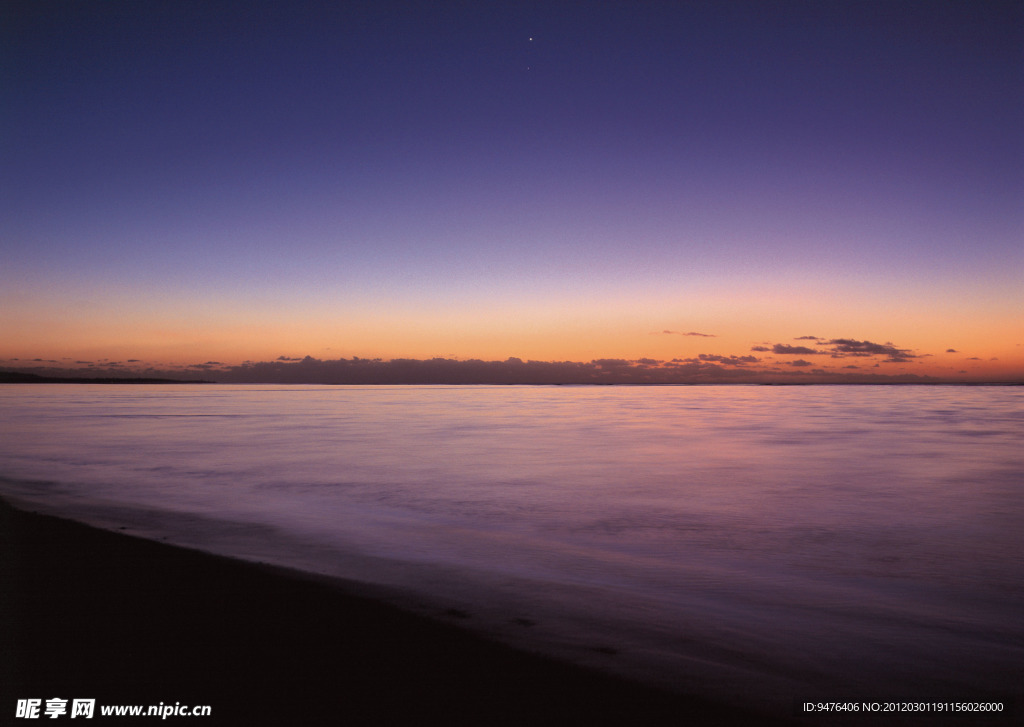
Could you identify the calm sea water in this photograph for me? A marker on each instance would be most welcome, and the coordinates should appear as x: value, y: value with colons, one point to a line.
x: 778, y: 543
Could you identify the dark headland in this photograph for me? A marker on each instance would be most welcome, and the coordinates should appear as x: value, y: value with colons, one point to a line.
x: 93, y: 614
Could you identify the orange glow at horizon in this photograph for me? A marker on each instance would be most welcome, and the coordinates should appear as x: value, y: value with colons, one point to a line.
x: 125, y: 324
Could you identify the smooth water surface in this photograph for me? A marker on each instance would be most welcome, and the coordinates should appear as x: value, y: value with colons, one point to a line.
x: 777, y: 542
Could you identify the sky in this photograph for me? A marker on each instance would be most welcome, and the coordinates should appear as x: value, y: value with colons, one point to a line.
x: 697, y: 190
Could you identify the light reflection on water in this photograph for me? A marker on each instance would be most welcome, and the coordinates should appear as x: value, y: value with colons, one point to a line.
x: 801, y: 536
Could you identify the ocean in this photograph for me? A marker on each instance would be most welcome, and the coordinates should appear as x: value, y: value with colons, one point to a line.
x: 783, y: 543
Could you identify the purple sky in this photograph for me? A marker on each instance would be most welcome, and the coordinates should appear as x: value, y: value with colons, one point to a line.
x: 193, y: 181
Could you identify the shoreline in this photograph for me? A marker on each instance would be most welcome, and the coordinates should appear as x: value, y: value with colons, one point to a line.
x: 94, y: 614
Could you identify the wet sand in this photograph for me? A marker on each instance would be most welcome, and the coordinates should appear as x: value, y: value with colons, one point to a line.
x: 92, y: 614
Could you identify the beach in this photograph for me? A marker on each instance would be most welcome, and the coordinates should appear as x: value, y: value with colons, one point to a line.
x: 93, y: 614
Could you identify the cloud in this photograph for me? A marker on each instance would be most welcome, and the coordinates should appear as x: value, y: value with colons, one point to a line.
x: 706, y: 358
x: 842, y: 347
x: 730, y: 360
x: 610, y: 363
x: 794, y: 350
x: 688, y: 333
x: 951, y: 350
x: 706, y: 368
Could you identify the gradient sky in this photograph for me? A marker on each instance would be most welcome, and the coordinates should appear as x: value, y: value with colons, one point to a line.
x: 207, y: 183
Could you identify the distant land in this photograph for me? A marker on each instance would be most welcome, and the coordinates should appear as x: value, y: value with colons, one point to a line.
x: 13, y: 377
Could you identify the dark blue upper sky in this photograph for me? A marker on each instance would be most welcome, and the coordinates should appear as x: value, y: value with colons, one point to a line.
x: 296, y: 89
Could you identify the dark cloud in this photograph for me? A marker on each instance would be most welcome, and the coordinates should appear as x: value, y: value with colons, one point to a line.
x: 718, y: 359
x: 709, y: 369
x: 842, y: 347
x: 704, y: 369
x: 731, y: 360
x: 608, y: 363
x: 951, y: 350
x: 786, y: 349
x: 688, y: 333
x: 800, y: 362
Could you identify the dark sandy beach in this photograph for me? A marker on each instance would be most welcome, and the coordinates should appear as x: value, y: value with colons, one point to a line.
x: 93, y: 614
